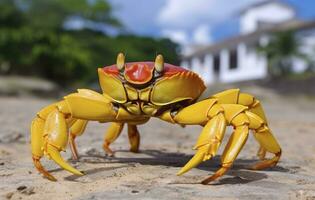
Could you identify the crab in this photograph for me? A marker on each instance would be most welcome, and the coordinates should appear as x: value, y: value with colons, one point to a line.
x: 134, y: 92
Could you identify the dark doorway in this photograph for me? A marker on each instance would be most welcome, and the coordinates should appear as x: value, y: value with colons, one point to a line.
x: 216, y: 64
x: 233, y: 59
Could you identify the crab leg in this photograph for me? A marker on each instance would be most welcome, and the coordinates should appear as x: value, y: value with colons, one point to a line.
x: 76, y: 129
x: 230, y: 153
x: 49, y: 130
x: 267, y: 141
x: 255, y: 107
x: 111, y: 135
x: 37, y: 142
x: 265, y: 138
x: 209, y: 140
x: 56, y: 132
x: 234, y: 115
x: 215, y: 114
x: 234, y: 96
x: 49, y: 136
x: 261, y: 153
x: 134, y: 138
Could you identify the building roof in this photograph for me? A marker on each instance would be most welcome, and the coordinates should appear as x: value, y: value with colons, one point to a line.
x: 264, y: 2
x: 252, y: 37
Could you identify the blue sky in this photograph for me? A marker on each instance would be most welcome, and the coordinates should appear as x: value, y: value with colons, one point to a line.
x: 191, y: 21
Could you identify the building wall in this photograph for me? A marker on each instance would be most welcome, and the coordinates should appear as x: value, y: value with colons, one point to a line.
x: 250, y: 65
x: 203, y: 66
x: 272, y: 12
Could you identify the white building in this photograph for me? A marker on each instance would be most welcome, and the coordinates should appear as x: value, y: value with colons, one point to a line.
x: 236, y: 59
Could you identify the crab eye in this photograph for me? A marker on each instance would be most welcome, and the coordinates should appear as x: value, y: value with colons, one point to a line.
x: 120, y: 62
x: 159, y: 63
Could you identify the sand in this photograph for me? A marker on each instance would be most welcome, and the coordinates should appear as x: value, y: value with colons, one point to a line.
x: 151, y: 174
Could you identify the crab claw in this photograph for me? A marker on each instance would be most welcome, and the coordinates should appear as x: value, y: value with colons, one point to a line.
x: 193, y: 162
x: 208, y: 142
x: 42, y: 170
x: 54, y: 153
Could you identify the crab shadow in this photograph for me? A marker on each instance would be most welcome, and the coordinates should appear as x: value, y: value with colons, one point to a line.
x: 238, y: 174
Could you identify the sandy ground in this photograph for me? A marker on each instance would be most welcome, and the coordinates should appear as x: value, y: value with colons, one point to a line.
x: 150, y: 174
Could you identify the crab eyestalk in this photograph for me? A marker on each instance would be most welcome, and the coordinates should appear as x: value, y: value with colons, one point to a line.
x: 159, y: 63
x: 120, y: 62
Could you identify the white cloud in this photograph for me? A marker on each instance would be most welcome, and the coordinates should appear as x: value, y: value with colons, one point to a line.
x: 178, y: 36
x: 196, y: 18
x: 186, y: 14
x: 202, y: 35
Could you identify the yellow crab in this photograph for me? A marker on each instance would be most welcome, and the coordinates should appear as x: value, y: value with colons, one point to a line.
x: 134, y: 92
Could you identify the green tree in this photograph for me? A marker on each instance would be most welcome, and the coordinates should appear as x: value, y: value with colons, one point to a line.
x: 34, y: 40
x: 281, y: 49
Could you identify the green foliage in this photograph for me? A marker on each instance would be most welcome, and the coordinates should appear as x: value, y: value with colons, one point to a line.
x: 52, y: 13
x: 282, y: 48
x: 33, y: 40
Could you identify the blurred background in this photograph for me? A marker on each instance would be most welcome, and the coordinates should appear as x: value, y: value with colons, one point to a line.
x: 55, y: 44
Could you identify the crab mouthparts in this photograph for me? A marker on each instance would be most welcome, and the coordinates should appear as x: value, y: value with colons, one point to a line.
x: 138, y: 73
